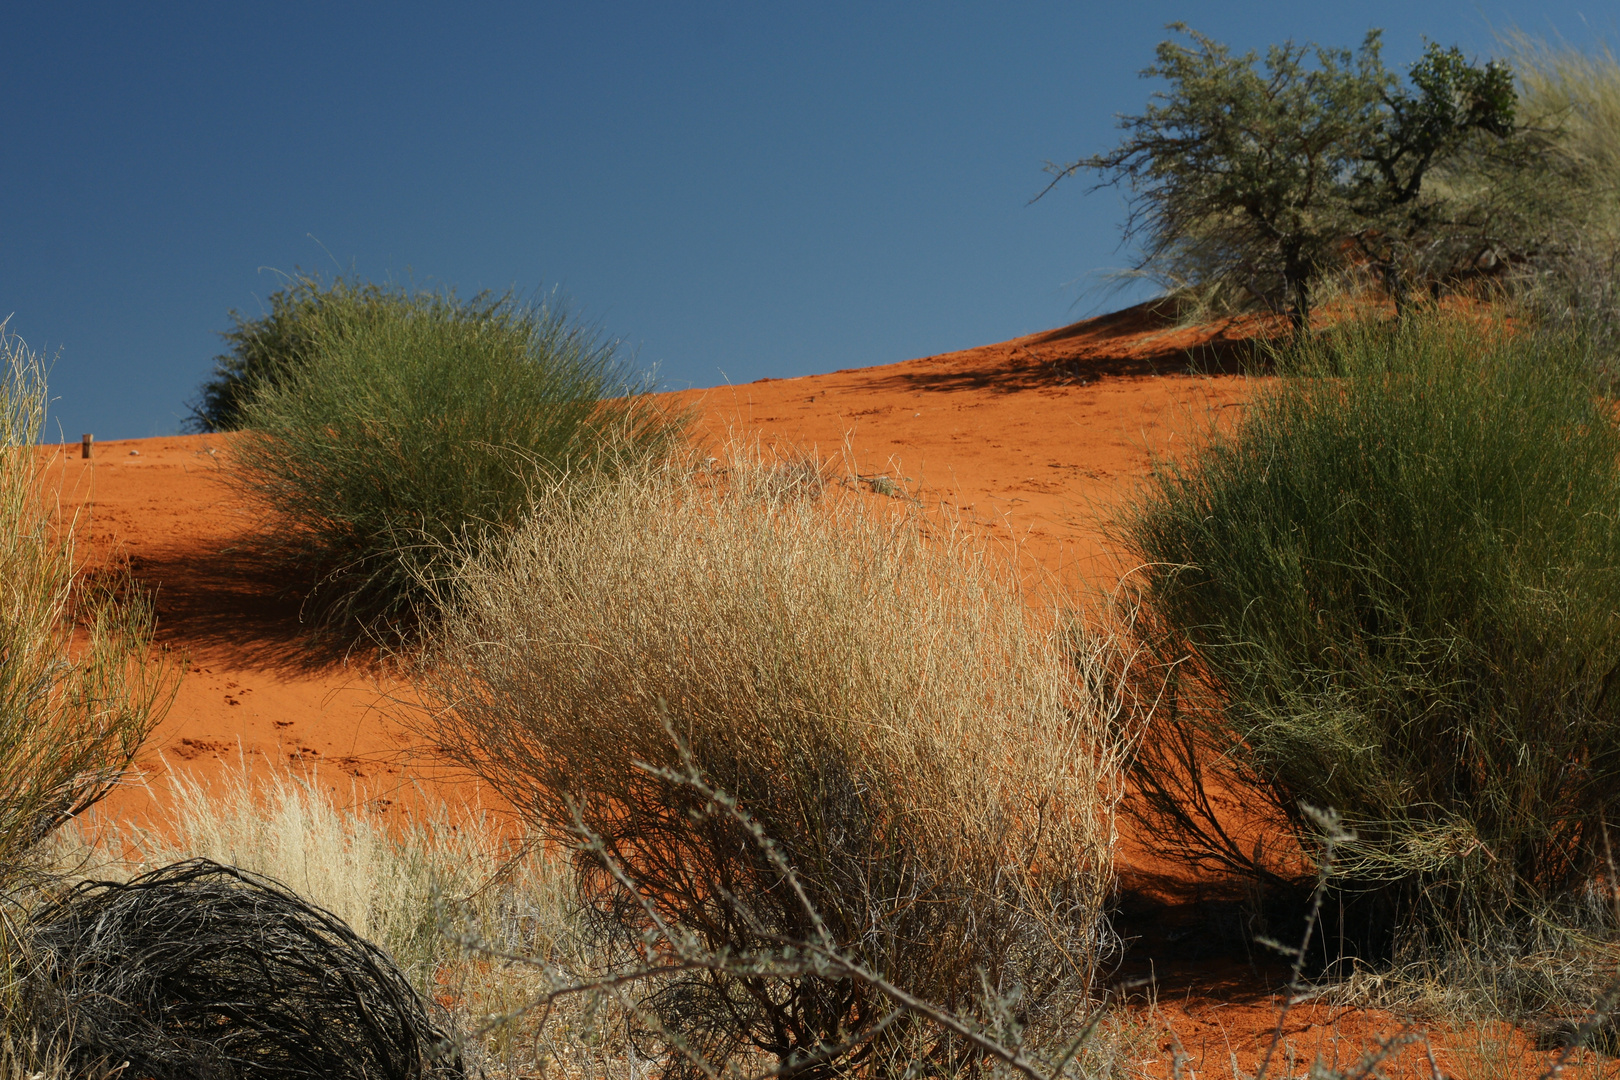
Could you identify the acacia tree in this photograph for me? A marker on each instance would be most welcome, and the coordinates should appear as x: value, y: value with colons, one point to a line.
x: 1453, y: 107
x: 1255, y: 177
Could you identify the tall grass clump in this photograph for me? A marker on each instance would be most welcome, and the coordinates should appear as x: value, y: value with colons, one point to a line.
x: 269, y: 348
x: 415, y: 427
x: 1576, y: 95
x: 779, y: 722
x: 77, y: 693
x: 383, y: 876
x: 1393, y: 589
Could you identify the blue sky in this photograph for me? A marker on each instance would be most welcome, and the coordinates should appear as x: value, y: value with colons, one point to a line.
x: 734, y: 190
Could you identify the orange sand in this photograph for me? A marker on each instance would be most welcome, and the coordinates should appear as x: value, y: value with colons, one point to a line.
x: 1037, y: 438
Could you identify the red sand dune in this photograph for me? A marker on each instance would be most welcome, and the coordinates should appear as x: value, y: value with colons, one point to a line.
x: 1038, y: 437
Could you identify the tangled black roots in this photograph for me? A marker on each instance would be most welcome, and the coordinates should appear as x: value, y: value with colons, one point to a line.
x: 199, y: 970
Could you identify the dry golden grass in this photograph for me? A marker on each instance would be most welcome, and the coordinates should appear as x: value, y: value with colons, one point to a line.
x: 1572, y: 98
x: 1578, y: 94
x: 438, y: 890
x: 487, y: 926
x: 871, y: 690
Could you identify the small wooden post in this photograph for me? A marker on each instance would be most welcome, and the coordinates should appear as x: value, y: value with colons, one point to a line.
x: 84, y: 445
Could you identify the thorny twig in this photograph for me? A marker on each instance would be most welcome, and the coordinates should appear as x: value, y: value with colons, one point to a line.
x: 799, y: 958
x: 1333, y: 834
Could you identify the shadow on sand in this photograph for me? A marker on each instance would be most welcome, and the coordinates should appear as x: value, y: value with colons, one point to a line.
x: 1141, y: 340
x: 239, y: 605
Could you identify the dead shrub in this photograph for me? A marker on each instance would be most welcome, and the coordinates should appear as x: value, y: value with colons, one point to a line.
x: 203, y: 970
x: 871, y: 693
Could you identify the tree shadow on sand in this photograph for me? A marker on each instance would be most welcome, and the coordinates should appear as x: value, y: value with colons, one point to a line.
x: 1143, y: 340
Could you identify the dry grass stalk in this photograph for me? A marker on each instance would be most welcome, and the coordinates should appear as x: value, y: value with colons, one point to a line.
x: 876, y: 696
x: 77, y: 693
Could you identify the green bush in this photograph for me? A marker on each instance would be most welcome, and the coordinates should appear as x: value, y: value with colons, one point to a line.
x: 266, y: 349
x: 1396, y: 583
x: 412, y: 429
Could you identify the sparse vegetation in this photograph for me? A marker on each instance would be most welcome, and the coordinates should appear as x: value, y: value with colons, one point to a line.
x: 77, y: 694
x: 416, y: 426
x: 528, y: 977
x: 1394, y: 585
x: 805, y: 785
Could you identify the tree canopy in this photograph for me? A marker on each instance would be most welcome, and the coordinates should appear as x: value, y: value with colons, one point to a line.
x: 1249, y: 178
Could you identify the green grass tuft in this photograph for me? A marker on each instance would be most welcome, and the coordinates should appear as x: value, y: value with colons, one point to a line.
x: 270, y: 348
x: 411, y: 431
x: 1397, y: 584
